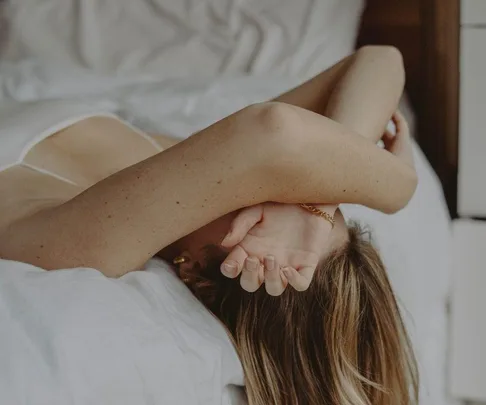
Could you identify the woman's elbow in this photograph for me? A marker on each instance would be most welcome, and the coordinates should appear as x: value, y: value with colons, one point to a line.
x: 271, y: 128
x: 406, y: 188
x: 389, y: 57
x: 411, y: 179
x: 386, y: 53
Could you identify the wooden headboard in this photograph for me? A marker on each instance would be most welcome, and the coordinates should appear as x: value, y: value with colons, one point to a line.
x: 427, y: 33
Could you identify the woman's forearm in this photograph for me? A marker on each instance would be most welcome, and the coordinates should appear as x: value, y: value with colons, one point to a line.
x: 361, y: 92
x: 350, y: 168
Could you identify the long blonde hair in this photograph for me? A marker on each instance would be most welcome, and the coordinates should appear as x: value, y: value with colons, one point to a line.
x: 342, y: 342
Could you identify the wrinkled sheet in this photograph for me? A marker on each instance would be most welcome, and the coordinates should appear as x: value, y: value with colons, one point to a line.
x: 77, y: 337
x: 169, y: 38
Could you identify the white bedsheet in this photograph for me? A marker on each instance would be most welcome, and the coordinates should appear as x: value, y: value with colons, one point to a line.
x: 75, y: 337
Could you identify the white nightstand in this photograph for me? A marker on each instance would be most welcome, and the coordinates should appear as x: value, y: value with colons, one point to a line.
x: 468, y: 344
x: 472, y: 128
x: 468, y: 360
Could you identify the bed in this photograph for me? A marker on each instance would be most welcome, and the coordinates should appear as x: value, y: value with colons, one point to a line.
x: 176, y: 67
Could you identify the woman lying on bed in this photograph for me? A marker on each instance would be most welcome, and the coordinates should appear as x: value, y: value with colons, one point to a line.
x: 326, y: 327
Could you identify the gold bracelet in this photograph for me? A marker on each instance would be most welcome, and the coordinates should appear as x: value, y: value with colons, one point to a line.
x: 319, y: 213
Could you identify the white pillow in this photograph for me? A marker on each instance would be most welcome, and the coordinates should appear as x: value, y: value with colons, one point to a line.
x: 172, y: 38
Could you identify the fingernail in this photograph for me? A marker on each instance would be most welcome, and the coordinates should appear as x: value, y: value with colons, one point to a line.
x: 228, y: 269
x: 270, y: 263
x: 226, y: 238
x: 252, y: 264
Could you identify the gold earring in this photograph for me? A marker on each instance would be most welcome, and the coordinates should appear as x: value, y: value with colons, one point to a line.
x: 180, y: 260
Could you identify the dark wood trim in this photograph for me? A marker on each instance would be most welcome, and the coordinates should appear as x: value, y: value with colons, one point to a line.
x: 427, y: 33
x: 438, y: 112
x: 398, y: 23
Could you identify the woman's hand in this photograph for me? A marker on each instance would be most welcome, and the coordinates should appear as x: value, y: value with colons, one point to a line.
x: 275, y: 244
x: 400, y: 143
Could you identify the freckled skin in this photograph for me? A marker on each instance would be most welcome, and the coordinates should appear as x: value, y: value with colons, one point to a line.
x: 270, y: 148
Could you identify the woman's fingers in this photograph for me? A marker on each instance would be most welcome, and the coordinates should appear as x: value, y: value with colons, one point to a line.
x: 401, y: 144
x: 254, y: 273
x: 401, y: 125
x: 388, y: 139
x: 240, y: 226
x: 400, y: 122
x: 299, y: 280
x: 274, y: 284
x: 250, y: 275
x: 234, y: 263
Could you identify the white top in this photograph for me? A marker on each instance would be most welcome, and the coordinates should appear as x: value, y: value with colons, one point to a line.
x: 22, y: 126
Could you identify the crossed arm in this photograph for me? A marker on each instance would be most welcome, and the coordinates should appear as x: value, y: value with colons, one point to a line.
x: 283, y: 151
